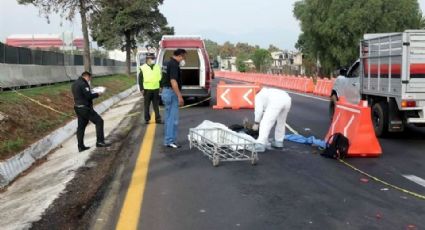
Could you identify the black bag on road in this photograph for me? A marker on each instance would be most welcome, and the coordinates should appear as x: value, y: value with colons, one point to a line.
x: 336, y: 147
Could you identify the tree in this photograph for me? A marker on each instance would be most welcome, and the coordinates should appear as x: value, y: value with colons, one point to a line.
x: 124, y: 23
x: 240, y: 62
x: 244, y: 49
x: 213, y: 49
x: 68, y: 9
x: 332, y: 30
x: 100, y: 53
x: 273, y: 48
x: 262, y: 59
x: 153, y: 37
x: 227, y: 50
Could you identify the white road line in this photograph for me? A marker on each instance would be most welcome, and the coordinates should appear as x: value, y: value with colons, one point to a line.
x: 415, y: 179
x: 309, y: 96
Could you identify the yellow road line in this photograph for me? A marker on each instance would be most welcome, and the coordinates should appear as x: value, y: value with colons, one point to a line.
x: 131, y: 209
x: 417, y: 195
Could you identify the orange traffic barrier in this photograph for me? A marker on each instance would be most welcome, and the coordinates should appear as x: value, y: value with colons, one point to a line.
x: 323, y: 87
x: 328, y: 88
x: 233, y: 96
x: 355, y: 122
x: 318, y: 87
x: 301, y: 84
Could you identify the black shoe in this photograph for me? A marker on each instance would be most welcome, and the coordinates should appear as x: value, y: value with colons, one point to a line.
x: 159, y: 122
x: 102, y: 145
x: 174, y: 146
x: 146, y: 122
x: 82, y: 149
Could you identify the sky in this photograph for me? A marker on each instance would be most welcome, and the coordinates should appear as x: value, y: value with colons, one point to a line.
x: 252, y: 21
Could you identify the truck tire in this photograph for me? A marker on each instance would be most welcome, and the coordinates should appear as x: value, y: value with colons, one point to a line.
x: 332, y: 105
x: 380, y: 118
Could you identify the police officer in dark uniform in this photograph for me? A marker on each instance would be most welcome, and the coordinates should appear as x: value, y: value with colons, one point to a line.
x: 83, y: 99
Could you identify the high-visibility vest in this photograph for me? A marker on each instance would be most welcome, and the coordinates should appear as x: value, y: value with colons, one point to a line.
x: 151, y: 76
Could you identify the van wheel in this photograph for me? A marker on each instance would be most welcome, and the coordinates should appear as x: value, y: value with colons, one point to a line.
x: 380, y: 118
x: 332, y: 105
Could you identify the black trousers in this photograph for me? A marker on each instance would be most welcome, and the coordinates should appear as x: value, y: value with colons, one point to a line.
x: 86, y: 114
x: 151, y: 96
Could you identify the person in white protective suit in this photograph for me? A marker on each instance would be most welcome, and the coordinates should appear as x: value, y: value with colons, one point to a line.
x: 271, y: 106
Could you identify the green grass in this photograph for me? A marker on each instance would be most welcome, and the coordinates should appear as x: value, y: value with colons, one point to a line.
x: 11, y: 145
x: 28, y: 121
x: 55, y: 90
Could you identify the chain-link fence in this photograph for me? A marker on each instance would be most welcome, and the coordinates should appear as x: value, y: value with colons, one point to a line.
x: 20, y: 55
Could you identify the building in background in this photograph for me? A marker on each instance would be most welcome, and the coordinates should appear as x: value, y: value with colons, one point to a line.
x: 228, y: 64
x: 64, y: 41
x: 118, y: 55
x: 287, y: 62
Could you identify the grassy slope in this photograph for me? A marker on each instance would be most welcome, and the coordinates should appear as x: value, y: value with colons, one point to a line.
x: 28, y: 122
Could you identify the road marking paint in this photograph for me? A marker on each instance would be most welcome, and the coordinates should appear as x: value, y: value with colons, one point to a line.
x: 415, y: 179
x: 417, y: 195
x: 302, y: 94
x: 131, y: 209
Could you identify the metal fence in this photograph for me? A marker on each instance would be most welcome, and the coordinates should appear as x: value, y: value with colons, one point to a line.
x: 26, y: 56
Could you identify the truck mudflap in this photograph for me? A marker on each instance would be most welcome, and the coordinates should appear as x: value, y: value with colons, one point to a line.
x: 395, y: 117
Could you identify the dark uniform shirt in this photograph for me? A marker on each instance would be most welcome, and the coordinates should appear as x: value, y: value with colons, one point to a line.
x: 173, y: 72
x: 82, y: 93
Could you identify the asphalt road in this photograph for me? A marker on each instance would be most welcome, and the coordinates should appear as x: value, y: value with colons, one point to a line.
x: 293, y: 188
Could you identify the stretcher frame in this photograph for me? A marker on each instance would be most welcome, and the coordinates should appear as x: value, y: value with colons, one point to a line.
x: 223, y: 145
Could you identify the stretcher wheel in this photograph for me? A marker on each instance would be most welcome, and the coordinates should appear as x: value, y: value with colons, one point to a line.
x: 254, y: 160
x: 216, y: 161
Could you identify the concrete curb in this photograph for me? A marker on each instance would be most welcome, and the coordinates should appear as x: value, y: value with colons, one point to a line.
x: 15, y: 165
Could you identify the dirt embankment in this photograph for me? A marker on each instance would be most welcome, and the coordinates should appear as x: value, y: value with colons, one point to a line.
x: 75, y: 207
x: 24, y: 122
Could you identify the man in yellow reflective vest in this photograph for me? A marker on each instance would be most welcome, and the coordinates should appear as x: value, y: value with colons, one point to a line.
x: 149, y: 81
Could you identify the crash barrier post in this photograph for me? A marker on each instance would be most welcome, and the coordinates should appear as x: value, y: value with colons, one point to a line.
x: 234, y: 96
x: 354, y: 122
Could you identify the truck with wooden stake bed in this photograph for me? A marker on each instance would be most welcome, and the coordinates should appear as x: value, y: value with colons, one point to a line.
x: 390, y: 75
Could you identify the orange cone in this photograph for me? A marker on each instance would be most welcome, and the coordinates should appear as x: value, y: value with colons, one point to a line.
x: 355, y: 122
